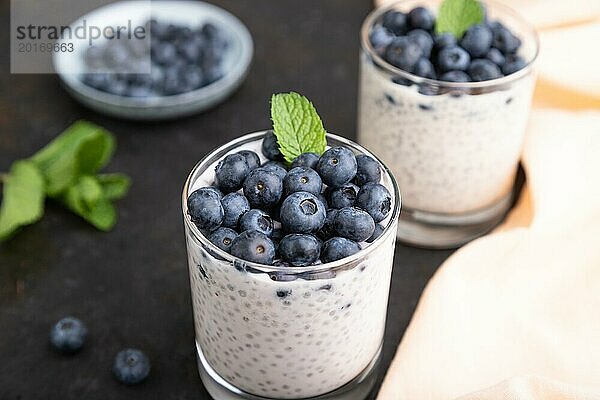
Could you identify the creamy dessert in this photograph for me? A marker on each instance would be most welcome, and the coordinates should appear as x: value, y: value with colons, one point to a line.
x: 450, y: 153
x: 444, y: 99
x: 290, y: 301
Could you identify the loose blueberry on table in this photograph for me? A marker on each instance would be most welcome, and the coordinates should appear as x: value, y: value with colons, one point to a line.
x: 416, y: 43
x: 68, y: 335
x: 182, y: 59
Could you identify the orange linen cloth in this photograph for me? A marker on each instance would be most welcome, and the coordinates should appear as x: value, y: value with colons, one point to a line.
x: 515, y: 315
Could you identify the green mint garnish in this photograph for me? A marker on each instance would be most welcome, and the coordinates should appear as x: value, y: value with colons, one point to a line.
x: 64, y: 170
x: 23, y: 197
x: 456, y: 16
x: 297, y: 125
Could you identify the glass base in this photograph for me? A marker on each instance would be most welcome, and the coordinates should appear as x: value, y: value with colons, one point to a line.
x: 446, y: 231
x: 357, y: 389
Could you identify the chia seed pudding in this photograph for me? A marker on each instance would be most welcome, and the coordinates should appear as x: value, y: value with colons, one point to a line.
x: 288, y: 332
x: 450, y: 154
x: 453, y: 146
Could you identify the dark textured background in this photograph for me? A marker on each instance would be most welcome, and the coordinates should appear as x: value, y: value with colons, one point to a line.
x: 131, y: 286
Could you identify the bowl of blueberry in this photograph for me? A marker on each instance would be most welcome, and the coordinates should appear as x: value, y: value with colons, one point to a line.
x: 190, y: 57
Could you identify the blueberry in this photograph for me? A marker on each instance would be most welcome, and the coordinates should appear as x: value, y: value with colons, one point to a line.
x: 421, y: 18
x: 403, y: 53
x: 68, y: 335
x: 309, y: 160
x: 513, y: 64
x: 192, y: 78
x: 256, y: 220
x: 300, y: 250
x: 496, y: 56
x: 131, y: 366
x: 222, y: 238
x: 252, y: 158
x: 375, y: 199
x: 302, y: 212
x: 276, y: 167
x: 94, y: 56
x: 163, y: 52
x: 423, y: 39
x: 482, y: 69
x: 205, y: 210
x: 302, y: 179
x: 116, y: 87
x: 380, y: 37
x: 337, y: 166
x: 455, y: 76
x: 367, y: 170
x: 231, y: 172
x: 138, y: 91
x: 343, y: 196
x: 337, y: 248
x: 444, y: 40
x: 453, y: 58
x: 270, y: 147
x: 376, y: 233
x: 96, y: 80
x: 424, y: 68
x: 263, y: 188
x: 477, y: 40
x: 354, y: 224
x: 215, y: 190
x: 395, y: 22
x: 504, y: 40
x: 116, y: 55
x: 158, y: 30
x: 234, y: 206
x: 327, y: 230
x: 253, y: 246
x: 191, y: 49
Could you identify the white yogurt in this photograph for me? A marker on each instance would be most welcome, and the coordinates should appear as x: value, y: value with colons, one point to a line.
x: 449, y: 154
x: 293, y: 339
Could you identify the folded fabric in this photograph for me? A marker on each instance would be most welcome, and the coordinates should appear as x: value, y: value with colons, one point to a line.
x: 524, y: 300
x: 530, y: 388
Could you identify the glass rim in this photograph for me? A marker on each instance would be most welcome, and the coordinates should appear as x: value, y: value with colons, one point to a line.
x: 381, y: 63
x: 207, y: 160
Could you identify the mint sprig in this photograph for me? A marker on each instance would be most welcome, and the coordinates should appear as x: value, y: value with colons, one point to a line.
x: 297, y: 125
x: 456, y: 16
x: 64, y: 170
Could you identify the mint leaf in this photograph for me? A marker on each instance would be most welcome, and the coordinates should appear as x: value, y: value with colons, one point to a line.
x: 456, y: 16
x: 90, y: 189
x: 82, y: 149
x: 297, y: 125
x: 22, y: 198
x: 86, y: 200
x: 114, y: 186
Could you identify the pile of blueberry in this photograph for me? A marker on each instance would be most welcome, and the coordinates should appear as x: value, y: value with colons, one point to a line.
x: 131, y: 366
x: 407, y: 41
x: 182, y: 60
x: 317, y: 211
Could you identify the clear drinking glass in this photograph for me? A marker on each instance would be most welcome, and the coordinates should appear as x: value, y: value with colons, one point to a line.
x: 265, y: 332
x: 453, y: 147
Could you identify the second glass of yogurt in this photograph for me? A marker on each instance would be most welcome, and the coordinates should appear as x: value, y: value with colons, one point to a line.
x: 280, y: 332
x: 453, y: 147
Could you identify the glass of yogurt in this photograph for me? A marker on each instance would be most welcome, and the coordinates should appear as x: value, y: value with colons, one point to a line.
x: 454, y: 147
x: 266, y: 332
